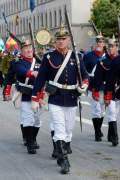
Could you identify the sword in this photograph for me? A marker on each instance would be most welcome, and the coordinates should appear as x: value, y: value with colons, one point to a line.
x: 80, y: 107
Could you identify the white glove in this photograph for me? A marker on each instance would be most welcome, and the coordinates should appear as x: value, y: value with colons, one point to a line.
x: 35, y: 106
x: 35, y: 73
x: 82, y: 89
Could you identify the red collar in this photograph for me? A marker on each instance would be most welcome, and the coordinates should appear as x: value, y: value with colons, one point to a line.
x: 27, y: 59
x: 98, y: 53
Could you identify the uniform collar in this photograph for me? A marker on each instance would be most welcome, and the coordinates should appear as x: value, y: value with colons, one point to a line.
x: 27, y: 59
x: 64, y: 52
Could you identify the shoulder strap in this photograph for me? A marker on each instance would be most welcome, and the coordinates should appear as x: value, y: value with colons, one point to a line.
x: 31, y: 68
x: 63, y: 65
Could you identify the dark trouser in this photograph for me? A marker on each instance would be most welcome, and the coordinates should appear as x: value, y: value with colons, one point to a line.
x: 30, y: 140
x: 23, y: 134
x: 54, y: 153
x: 97, y: 123
x: 35, y: 133
x: 62, y: 158
x: 112, y: 133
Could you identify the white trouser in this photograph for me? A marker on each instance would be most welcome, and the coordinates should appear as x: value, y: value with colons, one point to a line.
x: 97, y: 107
x: 112, y: 110
x: 63, y: 120
x: 28, y: 117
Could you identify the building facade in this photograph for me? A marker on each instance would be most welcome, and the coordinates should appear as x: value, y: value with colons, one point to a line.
x: 47, y: 14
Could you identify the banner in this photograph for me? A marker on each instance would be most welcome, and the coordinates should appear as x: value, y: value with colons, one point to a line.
x: 32, y: 5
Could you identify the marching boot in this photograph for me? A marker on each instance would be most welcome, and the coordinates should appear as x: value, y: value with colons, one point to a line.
x: 35, y: 132
x: 101, y: 121
x: 54, y: 153
x: 114, y: 134
x: 96, y: 125
x: 109, y: 137
x: 68, y: 148
x: 23, y: 135
x: 29, y: 138
x: 62, y: 158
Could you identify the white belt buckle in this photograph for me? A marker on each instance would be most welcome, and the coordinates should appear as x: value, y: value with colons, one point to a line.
x: 64, y: 86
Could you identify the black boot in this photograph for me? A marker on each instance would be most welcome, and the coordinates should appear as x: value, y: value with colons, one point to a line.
x: 35, y: 132
x: 29, y: 138
x: 54, y: 153
x: 101, y: 121
x: 23, y: 135
x: 114, y: 134
x: 62, y: 158
x: 96, y: 124
x: 68, y: 148
x: 109, y: 136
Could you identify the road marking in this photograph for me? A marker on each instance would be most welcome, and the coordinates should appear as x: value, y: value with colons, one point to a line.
x: 88, y: 121
x: 85, y: 103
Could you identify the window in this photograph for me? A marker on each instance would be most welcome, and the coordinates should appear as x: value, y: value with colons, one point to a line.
x: 41, y: 19
x: 55, y: 19
x: 50, y: 19
x: 60, y: 17
x: 34, y: 24
x: 46, y: 23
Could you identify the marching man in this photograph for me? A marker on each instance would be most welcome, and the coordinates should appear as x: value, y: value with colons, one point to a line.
x: 97, y: 109
x: 59, y: 71
x: 25, y: 70
x: 101, y: 73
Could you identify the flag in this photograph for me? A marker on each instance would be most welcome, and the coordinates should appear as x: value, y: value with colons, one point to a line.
x: 11, y: 43
x: 32, y: 5
x: 2, y: 47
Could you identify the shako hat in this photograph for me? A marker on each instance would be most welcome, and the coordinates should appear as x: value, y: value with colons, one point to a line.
x: 62, y: 32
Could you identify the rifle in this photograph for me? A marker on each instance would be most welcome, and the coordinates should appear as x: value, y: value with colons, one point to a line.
x: 119, y: 30
x: 33, y: 43
x: 73, y: 46
x: 76, y: 57
x: 32, y: 36
x: 94, y: 27
x: 11, y: 34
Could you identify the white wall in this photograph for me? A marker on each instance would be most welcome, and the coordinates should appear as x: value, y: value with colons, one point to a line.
x: 80, y: 11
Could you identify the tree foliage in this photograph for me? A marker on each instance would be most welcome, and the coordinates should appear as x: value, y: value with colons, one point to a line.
x: 104, y: 15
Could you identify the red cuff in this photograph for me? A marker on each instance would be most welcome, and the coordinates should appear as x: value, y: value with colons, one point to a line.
x: 6, y: 91
x: 108, y: 95
x: 29, y: 73
x: 95, y: 93
x: 41, y: 94
x: 85, y: 81
x: 35, y: 98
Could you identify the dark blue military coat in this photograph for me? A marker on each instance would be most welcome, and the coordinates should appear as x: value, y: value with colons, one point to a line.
x: 91, y: 59
x: 113, y: 79
x: 17, y: 72
x: 101, y: 73
x: 48, y: 69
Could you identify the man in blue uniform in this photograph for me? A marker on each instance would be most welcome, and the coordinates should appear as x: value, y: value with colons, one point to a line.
x: 91, y: 59
x: 101, y: 73
x: 25, y: 70
x: 62, y: 89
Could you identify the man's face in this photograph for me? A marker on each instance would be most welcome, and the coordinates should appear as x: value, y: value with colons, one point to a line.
x: 27, y: 51
x: 63, y: 42
x: 100, y: 45
x: 112, y: 49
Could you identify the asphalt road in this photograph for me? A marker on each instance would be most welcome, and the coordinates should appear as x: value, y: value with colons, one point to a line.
x: 90, y: 160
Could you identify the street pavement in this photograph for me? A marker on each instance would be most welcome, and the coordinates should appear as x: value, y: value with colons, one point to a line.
x: 90, y: 160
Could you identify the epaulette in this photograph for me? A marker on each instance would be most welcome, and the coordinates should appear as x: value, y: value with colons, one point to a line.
x: 48, y: 56
x: 17, y: 59
x: 105, y: 68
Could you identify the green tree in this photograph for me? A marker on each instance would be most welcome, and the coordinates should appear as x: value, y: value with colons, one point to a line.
x: 104, y: 15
